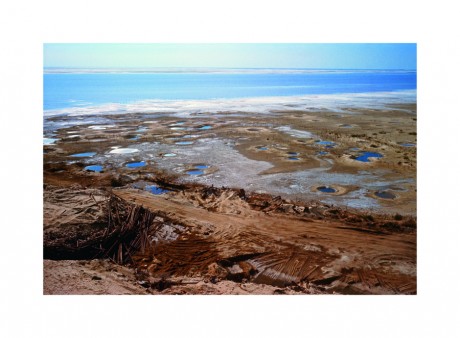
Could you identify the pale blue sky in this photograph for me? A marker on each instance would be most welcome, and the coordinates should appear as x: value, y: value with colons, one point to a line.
x: 323, y: 56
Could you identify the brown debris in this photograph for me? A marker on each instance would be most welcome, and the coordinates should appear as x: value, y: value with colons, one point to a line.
x: 178, y: 241
x: 121, y: 232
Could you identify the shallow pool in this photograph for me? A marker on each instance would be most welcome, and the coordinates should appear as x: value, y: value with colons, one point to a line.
x: 89, y: 154
x: 201, y: 166
x: 195, y: 172
x: 207, y: 127
x: 364, y: 157
x: 135, y: 164
x: 156, y: 190
x: 184, y: 143
x: 95, y: 168
x: 326, y: 189
x: 385, y: 195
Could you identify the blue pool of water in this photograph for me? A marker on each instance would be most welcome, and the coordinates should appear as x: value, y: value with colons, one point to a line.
x: 83, y: 154
x: 326, y: 189
x: 364, y: 157
x: 262, y: 148
x: 407, y: 144
x: 293, y: 158
x: 293, y: 153
x: 156, y: 190
x: 201, y: 166
x: 385, y: 195
x: 321, y: 153
x: 205, y: 127
x: 184, y: 143
x: 195, y: 172
x: 135, y: 164
x: 95, y: 168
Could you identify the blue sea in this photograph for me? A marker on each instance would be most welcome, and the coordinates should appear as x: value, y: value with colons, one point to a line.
x: 63, y: 90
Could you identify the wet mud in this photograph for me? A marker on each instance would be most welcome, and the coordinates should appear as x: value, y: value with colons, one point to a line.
x: 238, y: 203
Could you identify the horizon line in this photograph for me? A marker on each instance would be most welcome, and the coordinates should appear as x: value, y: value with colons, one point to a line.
x: 57, y: 69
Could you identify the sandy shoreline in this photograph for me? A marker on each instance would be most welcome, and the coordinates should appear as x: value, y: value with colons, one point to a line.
x: 338, y: 103
x: 291, y: 154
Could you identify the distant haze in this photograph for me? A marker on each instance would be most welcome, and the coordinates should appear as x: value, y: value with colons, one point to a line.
x: 292, y: 56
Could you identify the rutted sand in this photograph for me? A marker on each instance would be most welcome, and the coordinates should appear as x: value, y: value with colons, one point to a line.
x: 203, y: 238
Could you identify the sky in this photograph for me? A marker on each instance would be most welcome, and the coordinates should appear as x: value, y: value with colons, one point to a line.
x: 226, y: 55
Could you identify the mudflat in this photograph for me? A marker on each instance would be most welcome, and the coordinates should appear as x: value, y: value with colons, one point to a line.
x: 295, y: 202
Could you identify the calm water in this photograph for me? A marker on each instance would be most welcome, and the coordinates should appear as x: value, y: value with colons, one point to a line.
x: 195, y: 172
x: 89, y: 154
x: 365, y: 156
x: 326, y: 189
x: 95, y: 168
x: 135, y: 164
x: 82, y: 90
x: 156, y: 190
x: 201, y: 166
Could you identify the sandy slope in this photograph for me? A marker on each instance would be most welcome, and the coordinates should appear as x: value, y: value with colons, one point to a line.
x: 221, y: 241
x: 282, y: 246
x: 93, y: 277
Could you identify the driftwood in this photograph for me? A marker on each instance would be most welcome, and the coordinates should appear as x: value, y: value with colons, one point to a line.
x: 125, y: 233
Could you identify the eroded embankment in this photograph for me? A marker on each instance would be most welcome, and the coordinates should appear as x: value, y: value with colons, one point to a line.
x: 218, y: 236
